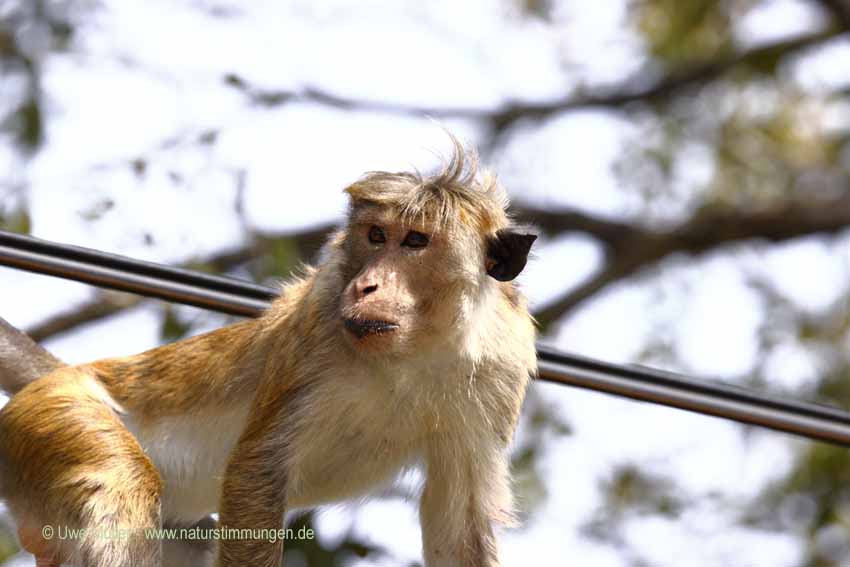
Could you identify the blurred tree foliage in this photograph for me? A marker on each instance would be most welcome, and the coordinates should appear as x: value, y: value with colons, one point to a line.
x: 679, y: 33
x: 773, y: 147
x: 29, y: 32
x: 631, y: 492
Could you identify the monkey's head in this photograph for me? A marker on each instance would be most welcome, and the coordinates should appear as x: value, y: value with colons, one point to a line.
x: 424, y: 257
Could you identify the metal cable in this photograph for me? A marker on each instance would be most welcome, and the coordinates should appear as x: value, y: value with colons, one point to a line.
x: 238, y: 297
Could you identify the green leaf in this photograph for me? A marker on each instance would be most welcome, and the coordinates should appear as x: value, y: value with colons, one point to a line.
x: 17, y: 221
x: 172, y: 328
x: 29, y: 123
x: 281, y: 259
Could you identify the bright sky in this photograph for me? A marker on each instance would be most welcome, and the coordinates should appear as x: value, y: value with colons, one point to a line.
x: 151, y: 71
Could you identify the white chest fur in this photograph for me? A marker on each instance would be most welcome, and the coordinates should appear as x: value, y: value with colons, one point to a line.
x: 364, y: 426
x: 190, y: 453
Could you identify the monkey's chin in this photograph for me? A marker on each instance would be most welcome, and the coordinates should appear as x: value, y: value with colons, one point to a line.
x: 364, y: 328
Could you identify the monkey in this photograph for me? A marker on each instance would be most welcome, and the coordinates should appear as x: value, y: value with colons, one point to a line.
x: 408, y: 344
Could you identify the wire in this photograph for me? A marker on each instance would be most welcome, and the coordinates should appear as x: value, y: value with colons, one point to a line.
x: 219, y: 293
x: 239, y: 297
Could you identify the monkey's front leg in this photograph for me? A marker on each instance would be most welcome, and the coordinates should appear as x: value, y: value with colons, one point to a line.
x: 466, y: 491
x: 252, y: 498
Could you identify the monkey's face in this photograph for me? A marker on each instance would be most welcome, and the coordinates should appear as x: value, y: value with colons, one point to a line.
x: 415, y: 286
x: 400, y: 281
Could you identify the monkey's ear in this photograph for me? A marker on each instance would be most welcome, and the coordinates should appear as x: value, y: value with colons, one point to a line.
x: 507, y: 254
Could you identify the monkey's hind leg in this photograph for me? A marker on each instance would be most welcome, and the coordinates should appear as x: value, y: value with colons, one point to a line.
x: 79, y: 485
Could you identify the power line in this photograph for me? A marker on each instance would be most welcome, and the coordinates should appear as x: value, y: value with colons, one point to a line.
x: 219, y: 293
x: 238, y: 297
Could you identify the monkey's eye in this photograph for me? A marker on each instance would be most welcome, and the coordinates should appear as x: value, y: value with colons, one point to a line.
x: 415, y: 240
x: 376, y: 235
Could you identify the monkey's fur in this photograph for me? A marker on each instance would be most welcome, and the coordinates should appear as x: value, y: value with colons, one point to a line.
x: 388, y: 354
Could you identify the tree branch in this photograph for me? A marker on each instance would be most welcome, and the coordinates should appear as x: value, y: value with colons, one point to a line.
x: 103, y: 305
x: 630, y: 91
x: 704, y: 232
x: 614, y: 234
x: 839, y: 10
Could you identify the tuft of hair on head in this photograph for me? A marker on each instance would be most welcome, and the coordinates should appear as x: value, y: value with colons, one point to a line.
x: 460, y: 192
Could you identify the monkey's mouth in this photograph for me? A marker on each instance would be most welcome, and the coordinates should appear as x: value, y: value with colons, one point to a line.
x: 364, y: 327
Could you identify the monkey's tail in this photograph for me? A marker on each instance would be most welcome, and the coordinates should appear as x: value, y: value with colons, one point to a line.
x: 22, y: 360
